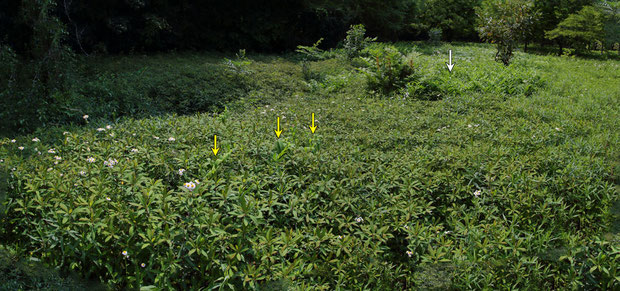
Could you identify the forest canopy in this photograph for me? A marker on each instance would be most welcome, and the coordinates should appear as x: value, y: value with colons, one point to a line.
x: 158, y: 25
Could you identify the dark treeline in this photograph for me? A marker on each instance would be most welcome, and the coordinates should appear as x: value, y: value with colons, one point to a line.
x: 142, y: 25
x: 119, y: 26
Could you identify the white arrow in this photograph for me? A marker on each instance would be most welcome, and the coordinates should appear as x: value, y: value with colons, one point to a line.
x: 450, y: 65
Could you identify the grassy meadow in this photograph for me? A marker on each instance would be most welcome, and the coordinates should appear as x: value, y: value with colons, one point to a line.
x: 489, y: 177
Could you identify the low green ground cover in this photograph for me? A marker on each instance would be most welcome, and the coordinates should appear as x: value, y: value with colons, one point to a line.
x: 488, y: 177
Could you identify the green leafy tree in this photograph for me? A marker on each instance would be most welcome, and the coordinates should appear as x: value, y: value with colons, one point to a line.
x: 581, y: 30
x: 611, y: 12
x: 38, y: 68
x: 552, y: 12
x: 387, y: 19
x: 386, y: 69
x: 456, y: 18
x: 505, y: 23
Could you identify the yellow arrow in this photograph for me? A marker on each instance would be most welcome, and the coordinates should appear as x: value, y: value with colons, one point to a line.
x: 312, y: 127
x: 214, y: 148
x: 278, y: 131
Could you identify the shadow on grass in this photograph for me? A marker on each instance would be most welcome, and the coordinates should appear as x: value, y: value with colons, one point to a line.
x: 590, y: 55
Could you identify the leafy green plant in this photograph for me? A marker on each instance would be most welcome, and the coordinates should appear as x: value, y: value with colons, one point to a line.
x: 581, y: 30
x: 307, y: 72
x: 312, y: 53
x: 240, y: 64
x: 386, y: 69
x: 35, y: 74
x: 516, y: 81
x: 506, y: 182
x: 356, y: 41
x: 611, y: 17
x: 435, y: 35
x: 9, y: 61
x: 506, y: 23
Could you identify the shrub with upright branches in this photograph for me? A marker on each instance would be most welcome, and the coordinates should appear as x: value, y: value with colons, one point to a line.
x: 506, y: 23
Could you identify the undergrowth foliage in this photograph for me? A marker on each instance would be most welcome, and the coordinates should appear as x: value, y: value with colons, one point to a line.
x: 410, y: 74
x: 356, y: 41
x: 386, y: 69
x: 33, y: 80
x: 503, y: 182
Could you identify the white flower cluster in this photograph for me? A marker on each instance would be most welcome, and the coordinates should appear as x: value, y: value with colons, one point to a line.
x: 190, y: 186
x: 110, y: 163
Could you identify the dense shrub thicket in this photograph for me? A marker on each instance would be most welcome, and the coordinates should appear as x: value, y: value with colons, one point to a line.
x: 505, y: 182
x: 148, y: 90
x: 109, y: 88
x: 41, y: 84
